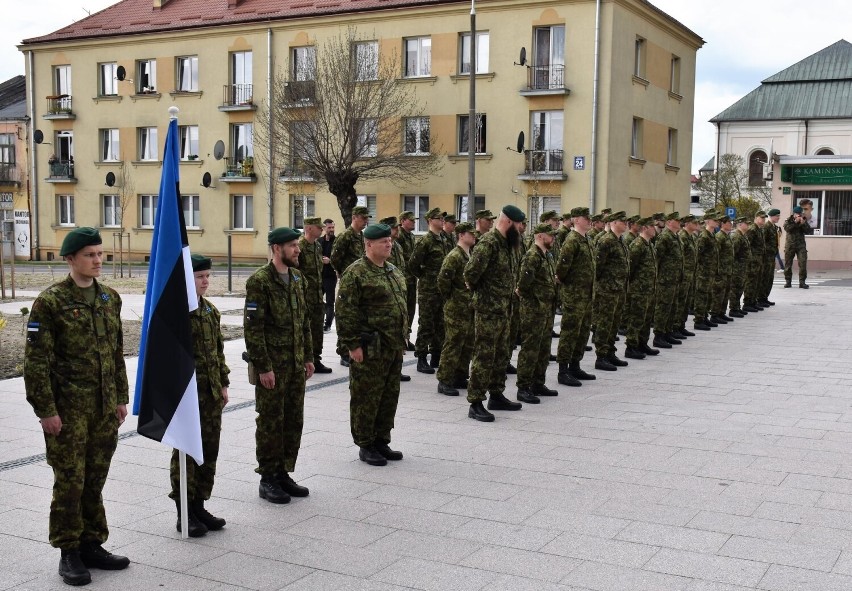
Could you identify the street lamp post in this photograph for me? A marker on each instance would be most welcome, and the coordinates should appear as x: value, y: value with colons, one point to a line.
x: 471, y: 120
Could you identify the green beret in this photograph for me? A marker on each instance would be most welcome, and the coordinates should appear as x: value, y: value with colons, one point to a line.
x: 376, y: 231
x: 391, y: 221
x: 282, y: 235
x: 80, y: 238
x: 407, y: 215
x: 649, y: 221
x: 618, y: 216
x: 773, y: 212
x: 659, y: 216
x: 760, y: 214
x: 548, y: 215
x: 544, y: 228
x: 798, y: 209
x: 313, y: 222
x: 673, y: 216
x: 448, y: 217
x: 360, y: 210
x: 485, y: 214
x: 464, y: 227
x: 514, y: 213
x: 201, y: 263
x: 598, y: 217
x: 580, y: 212
x: 434, y: 213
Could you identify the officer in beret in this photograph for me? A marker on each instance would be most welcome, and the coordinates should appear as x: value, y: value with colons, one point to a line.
x: 706, y: 267
x: 772, y: 236
x: 755, y: 274
x: 348, y: 248
x: 407, y: 223
x: 211, y: 376
x: 795, y: 246
x: 277, y: 330
x: 310, y: 265
x: 372, y: 321
x: 76, y: 382
x: 742, y: 260
x: 611, y: 271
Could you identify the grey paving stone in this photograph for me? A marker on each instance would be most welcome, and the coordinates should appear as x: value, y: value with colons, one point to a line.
x: 577, y: 521
x: 650, y: 512
x: 785, y: 578
x: 325, y: 581
x: 504, y: 534
x: 408, y: 497
x: 608, y: 577
x: 745, y: 526
x: 599, y: 549
x: 534, y: 565
x: 343, y: 531
x: 707, y: 567
x: 425, y: 546
x: 432, y: 576
x: 516, y: 583
x: 783, y: 553
x: 417, y: 520
x: 681, y: 538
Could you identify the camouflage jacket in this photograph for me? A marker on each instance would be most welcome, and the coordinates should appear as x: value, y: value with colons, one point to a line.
x: 627, y: 238
x: 425, y: 262
x: 74, y: 354
x: 796, y: 234
x: 611, y: 264
x: 406, y: 241
x: 347, y: 248
x: 397, y: 258
x: 706, y: 255
x: 687, y: 244
x: 371, y: 299
x: 742, y: 252
x: 576, y: 266
x: 276, y: 324
x: 643, y: 266
x: 537, y: 277
x: 592, y: 236
x: 310, y: 265
x: 490, y: 273
x: 770, y: 239
x: 211, y: 371
x: 757, y: 241
x: 669, y: 258
x: 457, y: 296
x: 726, y: 253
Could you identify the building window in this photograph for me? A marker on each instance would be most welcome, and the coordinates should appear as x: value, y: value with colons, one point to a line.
x: 671, y: 152
x: 147, y: 210
x: 636, y: 139
x: 242, y: 141
x: 187, y: 73
x: 147, y: 143
x: 62, y: 160
x: 242, y: 212
x: 481, y: 53
x: 368, y: 201
x: 7, y: 157
x: 419, y: 204
x: 547, y: 130
x: 146, y: 76
x: 418, y: 57
x: 188, y: 141
x: 66, y: 210
x: 108, y: 83
x: 675, y: 75
x: 111, y: 211
x: 365, y: 56
x: 110, y: 148
x: 417, y: 136
x: 541, y: 203
x: 62, y: 80
x: 368, y: 138
x: 303, y: 62
x: 639, y: 58
x: 548, y: 69
x: 465, y: 213
x: 241, y: 78
x: 191, y: 211
x: 301, y: 207
x: 755, y: 168
x: 825, y: 152
x: 464, y: 135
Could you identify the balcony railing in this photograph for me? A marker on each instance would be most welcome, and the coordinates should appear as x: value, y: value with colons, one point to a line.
x: 543, y: 162
x: 546, y: 77
x: 300, y: 92
x: 237, y: 95
x: 298, y: 170
x: 239, y: 169
x: 61, y: 169
x: 9, y: 173
x: 59, y: 105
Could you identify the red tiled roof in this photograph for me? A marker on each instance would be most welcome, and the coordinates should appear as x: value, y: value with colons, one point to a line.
x: 139, y: 16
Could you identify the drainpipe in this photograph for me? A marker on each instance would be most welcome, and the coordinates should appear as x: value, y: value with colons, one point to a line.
x: 34, y: 252
x: 806, y: 137
x: 273, y: 180
x: 595, y: 84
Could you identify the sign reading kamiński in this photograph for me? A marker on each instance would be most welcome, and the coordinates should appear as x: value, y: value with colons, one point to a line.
x: 821, y: 175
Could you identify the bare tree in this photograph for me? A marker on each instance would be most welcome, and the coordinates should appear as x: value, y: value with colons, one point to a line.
x: 728, y: 185
x: 339, y: 116
x: 126, y: 190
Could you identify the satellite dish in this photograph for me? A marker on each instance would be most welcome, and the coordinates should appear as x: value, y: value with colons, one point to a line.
x: 219, y: 150
x: 120, y: 73
x: 206, y: 180
x: 520, y: 142
x: 38, y: 136
x: 110, y: 179
x: 522, y: 59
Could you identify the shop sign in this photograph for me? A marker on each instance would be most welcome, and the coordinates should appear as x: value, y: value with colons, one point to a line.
x: 821, y: 175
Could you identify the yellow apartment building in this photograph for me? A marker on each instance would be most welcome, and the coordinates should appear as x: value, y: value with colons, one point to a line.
x: 14, y: 166
x: 604, y: 97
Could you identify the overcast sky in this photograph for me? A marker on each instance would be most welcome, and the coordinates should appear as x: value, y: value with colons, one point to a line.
x: 746, y: 41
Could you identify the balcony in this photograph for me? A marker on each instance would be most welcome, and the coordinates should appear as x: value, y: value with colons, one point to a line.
x: 237, y: 97
x: 543, y: 165
x: 9, y: 174
x: 300, y: 93
x: 239, y: 171
x: 545, y: 80
x: 59, y: 107
x: 61, y: 171
x: 298, y: 172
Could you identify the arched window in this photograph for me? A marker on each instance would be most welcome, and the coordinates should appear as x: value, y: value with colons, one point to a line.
x: 755, y: 168
x: 825, y: 152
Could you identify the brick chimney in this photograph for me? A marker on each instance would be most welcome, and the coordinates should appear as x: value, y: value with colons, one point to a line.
x: 160, y: 3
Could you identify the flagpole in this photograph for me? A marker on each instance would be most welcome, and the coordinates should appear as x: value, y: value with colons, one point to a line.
x: 184, y: 503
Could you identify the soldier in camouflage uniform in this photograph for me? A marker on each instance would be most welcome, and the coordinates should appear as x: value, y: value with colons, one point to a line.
x: 372, y: 318
x: 458, y: 315
x: 449, y: 228
x: 706, y: 267
x: 755, y: 271
x: 597, y: 228
x: 425, y: 263
x: 632, y: 231
x: 771, y: 234
x: 310, y: 266
x: 278, y: 339
x: 489, y: 274
x: 348, y: 248
x: 686, y: 289
x: 211, y: 376
x: 406, y: 242
x: 76, y: 382
x: 611, y: 271
x: 642, y: 279
x: 797, y: 228
x: 722, y: 287
x: 537, y: 291
x: 669, y: 276
x: 484, y: 222
x: 575, y: 270
x: 739, y: 269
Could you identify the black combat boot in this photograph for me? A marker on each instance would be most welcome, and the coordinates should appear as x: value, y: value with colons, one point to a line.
x: 644, y: 348
x: 386, y: 452
x: 423, y: 365
x: 710, y: 322
x: 617, y: 362
x: 320, y: 368
x: 672, y: 339
x: 803, y: 285
x: 749, y: 308
x: 634, y: 353
x: 72, y: 570
x: 210, y: 521
x: 717, y: 319
x: 270, y: 490
x: 788, y: 283
x: 371, y: 456
x: 477, y: 412
x: 524, y: 395
x: 497, y: 401
x: 685, y: 333
x: 603, y: 364
x: 94, y: 555
x: 575, y: 372
x: 447, y: 389
x: 460, y: 383
x: 565, y: 378
x: 435, y: 361
x: 344, y: 360
x: 542, y: 390
x: 289, y: 486
x: 196, y: 528
x: 736, y: 314
x: 700, y: 324
x: 661, y: 342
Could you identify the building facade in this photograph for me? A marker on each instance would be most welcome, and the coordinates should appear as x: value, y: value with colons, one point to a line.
x: 102, y: 86
x: 14, y: 169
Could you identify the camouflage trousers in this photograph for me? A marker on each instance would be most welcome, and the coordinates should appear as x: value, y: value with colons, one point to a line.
x: 374, y: 394
x: 458, y: 346
x: 411, y: 299
x: 768, y: 276
x: 721, y: 293
x: 608, y: 306
x: 199, y: 479
x: 316, y: 318
x: 574, y: 327
x: 514, y: 322
x: 703, y: 295
x: 80, y: 457
x: 685, y: 297
x: 639, y: 312
x: 280, y: 418
x: 735, y: 294
x: 752, y: 282
x: 536, y: 325
x: 665, y: 307
x: 430, y: 323
x: 800, y: 253
x: 490, y: 354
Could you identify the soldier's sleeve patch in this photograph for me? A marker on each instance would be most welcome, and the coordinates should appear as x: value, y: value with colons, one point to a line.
x: 33, y: 331
x: 251, y: 310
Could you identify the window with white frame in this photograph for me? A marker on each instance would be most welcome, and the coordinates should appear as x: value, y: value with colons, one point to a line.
x: 549, y: 57
x: 110, y: 148
x: 301, y: 207
x: 675, y: 75
x: 365, y: 58
x: 639, y: 58
x: 466, y: 213
x: 368, y: 201
x: 418, y: 56
x: 671, y: 152
x: 65, y: 148
x: 188, y: 135
x: 464, y: 134
x: 147, y: 210
x: 303, y: 63
x: 108, y: 80
x: 187, y: 73
x: 62, y: 80
x: 417, y: 135
x: 191, y: 211
x: 547, y: 129
x: 541, y: 203
x: 242, y: 139
x: 241, y: 78
x: 242, y: 212
x: 636, y: 139
x: 7, y: 148
x: 66, y: 210
x: 110, y: 211
x: 147, y: 143
x: 482, y: 46
x: 419, y: 204
x: 368, y: 138
x: 146, y: 76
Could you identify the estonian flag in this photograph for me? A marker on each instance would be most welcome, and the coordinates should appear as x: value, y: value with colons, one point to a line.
x: 166, y: 391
